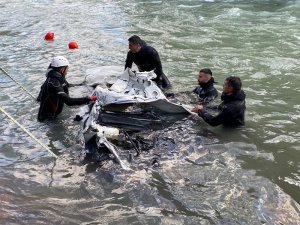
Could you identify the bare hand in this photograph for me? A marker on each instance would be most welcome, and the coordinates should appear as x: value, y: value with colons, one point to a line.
x: 93, y: 98
x: 197, y: 108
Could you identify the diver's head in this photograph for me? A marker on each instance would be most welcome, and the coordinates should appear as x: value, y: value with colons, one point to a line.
x: 204, y: 76
x: 60, y: 64
x: 232, y: 85
x: 135, y: 43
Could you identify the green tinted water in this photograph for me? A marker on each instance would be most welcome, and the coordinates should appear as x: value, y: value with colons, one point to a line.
x: 211, y: 175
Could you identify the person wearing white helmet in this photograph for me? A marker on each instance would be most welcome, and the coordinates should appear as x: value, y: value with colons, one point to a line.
x: 59, y: 61
x: 55, y: 91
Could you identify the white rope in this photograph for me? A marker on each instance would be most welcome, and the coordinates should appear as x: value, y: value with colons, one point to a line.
x: 30, y: 134
x: 17, y: 82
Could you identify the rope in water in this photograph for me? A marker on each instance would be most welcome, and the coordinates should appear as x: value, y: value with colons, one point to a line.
x: 24, y: 89
x: 30, y: 134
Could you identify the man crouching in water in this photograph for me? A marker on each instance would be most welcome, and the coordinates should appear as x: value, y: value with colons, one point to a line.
x: 55, y: 91
x: 232, y: 109
x: 206, y: 92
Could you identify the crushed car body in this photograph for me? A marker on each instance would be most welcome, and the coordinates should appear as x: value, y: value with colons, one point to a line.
x: 103, y: 121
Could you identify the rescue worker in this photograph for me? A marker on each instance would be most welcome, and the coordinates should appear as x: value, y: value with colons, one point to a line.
x: 206, y: 92
x: 231, y: 110
x: 54, y: 92
x: 146, y: 58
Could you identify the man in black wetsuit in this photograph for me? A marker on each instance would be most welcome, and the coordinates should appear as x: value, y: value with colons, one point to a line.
x: 55, y: 91
x: 146, y: 58
x: 231, y: 110
x: 206, y: 92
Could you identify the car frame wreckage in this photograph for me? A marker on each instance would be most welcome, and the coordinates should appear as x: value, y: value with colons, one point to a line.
x: 104, y: 121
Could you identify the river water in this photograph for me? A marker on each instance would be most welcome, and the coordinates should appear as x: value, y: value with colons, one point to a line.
x: 205, y: 175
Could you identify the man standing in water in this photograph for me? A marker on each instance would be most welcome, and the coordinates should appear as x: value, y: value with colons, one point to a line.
x: 231, y: 110
x: 55, y: 91
x: 206, y: 92
x: 146, y: 58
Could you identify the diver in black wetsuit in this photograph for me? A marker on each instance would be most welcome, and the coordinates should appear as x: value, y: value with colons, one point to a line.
x: 206, y: 92
x: 55, y: 91
x: 146, y: 58
x: 231, y: 110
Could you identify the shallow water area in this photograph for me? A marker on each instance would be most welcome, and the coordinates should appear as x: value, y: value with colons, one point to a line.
x: 193, y: 173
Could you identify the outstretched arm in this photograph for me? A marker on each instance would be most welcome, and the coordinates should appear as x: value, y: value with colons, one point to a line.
x: 59, y: 91
x: 129, y: 60
x: 157, y: 63
x: 210, y: 119
x: 72, y: 101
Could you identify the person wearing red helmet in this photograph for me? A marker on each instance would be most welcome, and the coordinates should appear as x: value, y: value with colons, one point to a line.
x: 54, y: 92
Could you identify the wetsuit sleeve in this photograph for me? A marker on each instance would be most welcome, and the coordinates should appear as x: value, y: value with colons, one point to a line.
x: 75, y: 85
x: 157, y: 63
x: 195, y: 90
x: 59, y: 92
x: 129, y: 60
x: 211, y: 95
x: 72, y: 101
x: 212, y: 106
x: 214, y: 120
x: 208, y: 99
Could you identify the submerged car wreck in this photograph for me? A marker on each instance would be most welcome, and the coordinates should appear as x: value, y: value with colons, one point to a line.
x: 125, y: 106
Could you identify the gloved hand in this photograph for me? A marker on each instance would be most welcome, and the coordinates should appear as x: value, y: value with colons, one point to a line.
x: 93, y: 98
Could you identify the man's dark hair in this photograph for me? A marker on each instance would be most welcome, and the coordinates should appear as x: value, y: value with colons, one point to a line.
x: 235, y: 83
x: 135, y: 40
x: 206, y: 70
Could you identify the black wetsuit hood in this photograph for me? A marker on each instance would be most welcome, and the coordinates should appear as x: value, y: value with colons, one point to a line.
x: 208, y: 84
x: 206, y: 91
x: 238, y: 96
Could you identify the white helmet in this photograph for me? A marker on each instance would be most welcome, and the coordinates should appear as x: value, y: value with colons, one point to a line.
x: 59, y: 61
